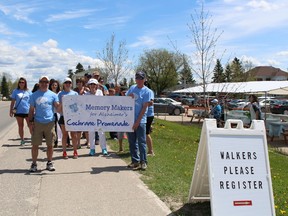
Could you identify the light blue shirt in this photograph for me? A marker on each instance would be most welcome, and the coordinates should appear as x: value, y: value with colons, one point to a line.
x: 141, y: 96
x: 150, y: 109
x: 64, y: 93
x: 43, y: 102
x: 22, y: 105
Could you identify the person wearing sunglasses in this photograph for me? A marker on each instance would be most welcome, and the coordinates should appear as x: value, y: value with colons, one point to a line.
x: 19, y: 107
x: 41, y: 118
x: 67, y: 90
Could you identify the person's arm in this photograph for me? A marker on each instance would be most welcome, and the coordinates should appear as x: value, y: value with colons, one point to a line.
x: 143, y: 110
x: 11, y: 107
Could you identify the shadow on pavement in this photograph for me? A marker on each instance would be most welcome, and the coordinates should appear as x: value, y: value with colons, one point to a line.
x: 196, y: 209
x: 97, y: 170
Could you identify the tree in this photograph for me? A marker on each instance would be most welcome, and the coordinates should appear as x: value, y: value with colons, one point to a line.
x: 186, y: 76
x: 228, y: 73
x: 161, y: 67
x: 131, y: 82
x: 219, y: 75
x: 70, y: 73
x: 79, y: 68
x: 205, y: 38
x: 115, y: 60
x: 4, y: 87
x: 237, y: 71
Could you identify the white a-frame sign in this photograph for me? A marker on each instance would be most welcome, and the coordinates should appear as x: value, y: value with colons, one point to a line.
x: 232, y: 170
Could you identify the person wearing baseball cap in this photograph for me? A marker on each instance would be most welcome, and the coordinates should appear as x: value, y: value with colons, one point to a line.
x: 41, y: 119
x: 137, y: 138
x: 98, y: 136
x: 67, y: 90
x: 216, y: 111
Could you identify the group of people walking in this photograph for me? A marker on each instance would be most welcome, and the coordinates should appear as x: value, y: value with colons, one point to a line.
x: 42, y: 110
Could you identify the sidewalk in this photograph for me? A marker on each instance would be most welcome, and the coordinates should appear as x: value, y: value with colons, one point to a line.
x: 84, y: 186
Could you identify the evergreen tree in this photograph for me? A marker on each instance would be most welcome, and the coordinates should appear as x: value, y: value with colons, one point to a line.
x: 186, y: 76
x: 218, y: 71
x: 228, y: 73
x: 4, y: 87
x: 79, y: 68
x: 237, y: 71
x: 70, y: 73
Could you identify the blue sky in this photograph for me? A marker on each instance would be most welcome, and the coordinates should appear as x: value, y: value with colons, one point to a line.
x: 50, y: 37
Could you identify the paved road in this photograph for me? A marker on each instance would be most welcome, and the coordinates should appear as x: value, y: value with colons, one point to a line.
x: 85, y: 186
x: 5, y: 121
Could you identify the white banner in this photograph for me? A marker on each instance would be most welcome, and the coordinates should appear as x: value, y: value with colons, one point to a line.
x: 94, y: 113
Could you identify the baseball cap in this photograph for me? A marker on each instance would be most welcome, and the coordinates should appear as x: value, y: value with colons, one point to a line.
x: 67, y: 79
x: 92, y: 81
x: 140, y: 75
x: 44, y: 77
x: 214, y: 101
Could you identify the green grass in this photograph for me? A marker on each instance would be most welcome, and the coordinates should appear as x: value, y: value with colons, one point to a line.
x: 169, y: 173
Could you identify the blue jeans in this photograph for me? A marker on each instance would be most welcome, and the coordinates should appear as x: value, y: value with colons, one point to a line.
x: 137, y: 144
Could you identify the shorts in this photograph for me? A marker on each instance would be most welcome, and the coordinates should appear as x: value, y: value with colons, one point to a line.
x: 61, y: 120
x: 21, y: 115
x: 148, y: 124
x: 47, y: 130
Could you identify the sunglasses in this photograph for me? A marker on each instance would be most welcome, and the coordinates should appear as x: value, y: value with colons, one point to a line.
x: 92, y: 84
x: 44, y: 82
x: 67, y: 83
x: 21, y: 82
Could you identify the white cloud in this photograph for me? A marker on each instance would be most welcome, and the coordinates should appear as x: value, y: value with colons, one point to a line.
x: 67, y: 15
x: 107, y: 22
x: 144, y: 41
x: 43, y: 59
x: 282, y: 53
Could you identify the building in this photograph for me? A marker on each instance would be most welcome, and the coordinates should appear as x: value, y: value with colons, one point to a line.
x: 268, y: 73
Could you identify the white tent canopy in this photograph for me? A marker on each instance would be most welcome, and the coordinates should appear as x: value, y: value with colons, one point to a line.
x: 260, y: 87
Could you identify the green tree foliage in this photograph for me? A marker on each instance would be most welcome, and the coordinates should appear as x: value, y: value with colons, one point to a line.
x: 131, y: 82
x: 237, y: 71
x: 161, y: 67
x: 228, y: 73
x: 218, y: 73
x: 79, y: 68
x: 186, y: 76
x: 4, y: 87
x: 70, y: 73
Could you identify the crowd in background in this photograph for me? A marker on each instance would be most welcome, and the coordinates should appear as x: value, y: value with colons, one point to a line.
x: 24, y: 107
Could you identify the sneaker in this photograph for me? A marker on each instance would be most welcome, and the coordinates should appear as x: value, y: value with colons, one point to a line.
x: 151, y: 154
x: 79, y: 147
x: 49, y: 166
x: 22, y: 142
x: 55, y: 145
x: 65, y: 156
x: 143, y: 166
x: 92, y: 152
x: 104, y: 152
x: 33, y: 168
x: 133, y: 165
x: 75, y: 155
x: 137, y: 166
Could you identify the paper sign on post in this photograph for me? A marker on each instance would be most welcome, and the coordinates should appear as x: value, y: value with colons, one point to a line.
x: 232, y: 169
x: 94, y: 113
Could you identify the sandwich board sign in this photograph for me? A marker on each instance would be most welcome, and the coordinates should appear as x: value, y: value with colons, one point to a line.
x: 232, y: 170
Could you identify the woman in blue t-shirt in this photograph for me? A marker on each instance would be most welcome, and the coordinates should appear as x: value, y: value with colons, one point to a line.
x: 19, y: 106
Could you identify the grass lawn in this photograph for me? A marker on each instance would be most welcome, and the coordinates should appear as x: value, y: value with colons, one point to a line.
x: 170, y: 172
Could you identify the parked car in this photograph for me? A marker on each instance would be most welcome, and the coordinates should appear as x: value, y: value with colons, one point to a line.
x: 177, y: 97
x: 267, y: 103
x: 170, y: 100
x: 234, y: 104
x: 163, y: 106
x: 279, y: 107
x: 188, y: 101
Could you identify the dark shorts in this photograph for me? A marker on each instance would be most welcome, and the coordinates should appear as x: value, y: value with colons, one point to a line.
x: 148, y: 124
x: 61, y: 120
x: 21, y: 115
